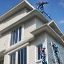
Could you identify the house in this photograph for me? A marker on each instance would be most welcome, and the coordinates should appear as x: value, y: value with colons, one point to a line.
x: 29, y: 37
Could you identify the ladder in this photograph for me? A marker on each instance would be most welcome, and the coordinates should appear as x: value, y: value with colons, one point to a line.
x: 55, y: 58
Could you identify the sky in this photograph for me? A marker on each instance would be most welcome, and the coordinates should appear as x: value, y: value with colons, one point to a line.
x: 55, y: 9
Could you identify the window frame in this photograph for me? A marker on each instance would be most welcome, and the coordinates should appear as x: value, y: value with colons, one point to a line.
x: 12, y: 57
x: 37, y: 52
x: 22, y: 34
x: 16, y: 60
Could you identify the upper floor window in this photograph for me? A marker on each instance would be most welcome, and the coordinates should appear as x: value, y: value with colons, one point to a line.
x: 16, y: 35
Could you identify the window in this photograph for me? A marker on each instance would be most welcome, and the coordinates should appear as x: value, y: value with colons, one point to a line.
x: 16, y: 36
x: 39, y: 48
x: 12, y: 58
x: 41, y: 53
x: 20, y: 56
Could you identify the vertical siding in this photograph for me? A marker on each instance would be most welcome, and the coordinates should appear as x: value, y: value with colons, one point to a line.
x: 6, y: 59
x: 50, y: 53
x: 4, y: 41
x: 14, y: 18
x: 32, y: 48
x: 39, y: 23
x: 29, y: 26
x: 31, y: 54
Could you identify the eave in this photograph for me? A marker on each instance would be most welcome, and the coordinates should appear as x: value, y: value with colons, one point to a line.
x: 54, y: 26
x: 20, y: 6
x: 31, y: 14
x: 47, y: 29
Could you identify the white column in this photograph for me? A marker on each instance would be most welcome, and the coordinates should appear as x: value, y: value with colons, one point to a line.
x: 27, y: 54
x: 16, y: 57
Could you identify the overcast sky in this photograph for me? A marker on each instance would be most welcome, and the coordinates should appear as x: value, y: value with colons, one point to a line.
x: 55, y: 9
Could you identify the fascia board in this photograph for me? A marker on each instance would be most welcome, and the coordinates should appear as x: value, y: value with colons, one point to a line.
x: 57, y: 28
x: 15, y: 9
x: 50, y: 31
x: 29, y: 15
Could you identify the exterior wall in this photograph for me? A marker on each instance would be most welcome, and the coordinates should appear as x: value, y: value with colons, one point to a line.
x: 50, y: 53
x: 40, y: 39
x: 4, y: 41
x: 31, y: 25
x: 6, y: 59
x: 14, y: 18
x: 39, y: 23
x: 28, y: 27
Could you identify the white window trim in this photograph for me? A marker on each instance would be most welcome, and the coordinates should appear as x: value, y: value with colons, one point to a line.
x: 9, y: 40
x: 22, y: 32
x: 22, y: 36
x: 36, y: 56
x: 16, y: 61
x: 27, y: 54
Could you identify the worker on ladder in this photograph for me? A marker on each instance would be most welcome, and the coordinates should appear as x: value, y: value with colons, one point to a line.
x: 55, y: 48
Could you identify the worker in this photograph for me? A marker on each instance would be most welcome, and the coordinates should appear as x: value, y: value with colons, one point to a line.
x: 40, y: 5
x: 43, y: 56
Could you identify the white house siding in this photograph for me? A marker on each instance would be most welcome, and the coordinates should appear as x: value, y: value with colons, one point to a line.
x: 50, y: 53
x: 33, y: 48
x: 14, y: 18
x: 31, y: 25
x: 39, y: 23
x: 4, y: 41
x: 6, y: 59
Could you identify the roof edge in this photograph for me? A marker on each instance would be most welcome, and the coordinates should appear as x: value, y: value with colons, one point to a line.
x: 14, y: 9
x: 54, y: 24
x: 48, y: 29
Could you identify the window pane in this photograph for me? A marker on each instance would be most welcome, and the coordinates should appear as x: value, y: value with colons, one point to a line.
x: 13, y: 37
x: 38, y: 52
x: 39, y: 49
x: 12, y: 58
x: 16, y: 35
x: 18, y: 57
x: 25, y: 55
x: 22, y: 56
x: 19, y: 33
